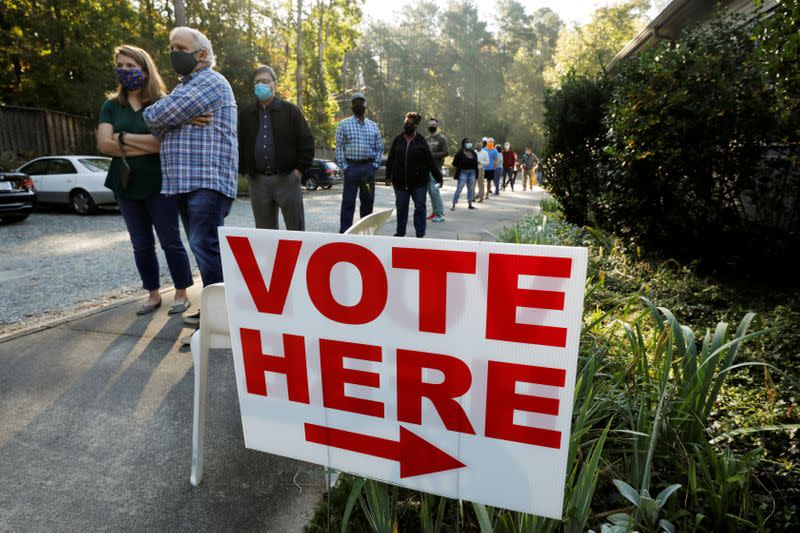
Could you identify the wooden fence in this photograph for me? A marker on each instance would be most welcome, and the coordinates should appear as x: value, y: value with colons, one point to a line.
x: 30, y: 132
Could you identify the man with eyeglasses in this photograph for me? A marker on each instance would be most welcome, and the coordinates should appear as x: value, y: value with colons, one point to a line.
x: 275, y: 148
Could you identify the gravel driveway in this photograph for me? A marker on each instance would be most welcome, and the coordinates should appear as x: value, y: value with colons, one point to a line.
x: 57, y: 262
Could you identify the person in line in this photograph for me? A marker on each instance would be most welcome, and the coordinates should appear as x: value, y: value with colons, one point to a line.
x: 359, y: 149
x: 483, y: 160
x: 408, y: 166
x: 438, y: 145
x: 509, y: 166
x: 488, y: 172
x: 275, y: 148
x: 498, y: 168
x: 122, y: 131
x: 199, y: 163
x: 466, y: 164
x: 536, y: 178
x: 526, y: 164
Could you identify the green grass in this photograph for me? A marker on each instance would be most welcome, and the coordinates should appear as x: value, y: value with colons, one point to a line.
x: 683, y: 380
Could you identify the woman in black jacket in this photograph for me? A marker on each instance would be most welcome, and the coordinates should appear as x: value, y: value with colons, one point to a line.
x: 408, y: 165
x: 466, y: 163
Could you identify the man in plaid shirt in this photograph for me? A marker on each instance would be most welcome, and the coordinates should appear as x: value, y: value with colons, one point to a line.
x: 359, y: 148
x: 196, y: 124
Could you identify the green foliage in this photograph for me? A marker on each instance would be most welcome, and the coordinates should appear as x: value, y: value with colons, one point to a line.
x: 587, y: 49
x: 664, y: 408
x: 445, y: 63
x: 58, y: 55
x: 575, y: 134
x: 679, y: 163
x: 688, y: 151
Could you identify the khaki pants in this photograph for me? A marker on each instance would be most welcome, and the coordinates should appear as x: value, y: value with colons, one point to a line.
x: 526, y: 178
x: 479, y: 176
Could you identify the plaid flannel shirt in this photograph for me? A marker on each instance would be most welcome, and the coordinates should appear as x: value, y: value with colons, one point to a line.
x: 356, y: 139
x: 197, y: 157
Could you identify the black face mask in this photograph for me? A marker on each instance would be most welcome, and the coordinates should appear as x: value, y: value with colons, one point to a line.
x: 183, y: 62
x: 409, y: 129
x: 359, y: 109
x: 432, y: 129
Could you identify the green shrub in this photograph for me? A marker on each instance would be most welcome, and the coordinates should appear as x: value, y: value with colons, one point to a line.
x: 574, y: 124
x: 693, y: 146
x: 687, y: 124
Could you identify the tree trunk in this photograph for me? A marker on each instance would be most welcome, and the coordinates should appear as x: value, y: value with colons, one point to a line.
x: 180, y: 12
x: 299, y: 59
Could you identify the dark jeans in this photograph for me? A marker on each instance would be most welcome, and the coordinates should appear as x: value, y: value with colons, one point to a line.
x: 402, y: 199
x: 496, y: 180
x: 203, y: 211
x: 160, y: 213
x: 360, y: 179
x: 508, y: 177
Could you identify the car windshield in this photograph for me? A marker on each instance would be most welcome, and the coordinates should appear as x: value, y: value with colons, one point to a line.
x: 331, y: 165
x: 96, y: 164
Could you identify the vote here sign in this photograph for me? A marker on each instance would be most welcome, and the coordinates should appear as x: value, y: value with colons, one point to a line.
x: 443, y: 366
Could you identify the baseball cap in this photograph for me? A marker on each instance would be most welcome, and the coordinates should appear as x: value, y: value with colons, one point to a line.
x: 356, y: 96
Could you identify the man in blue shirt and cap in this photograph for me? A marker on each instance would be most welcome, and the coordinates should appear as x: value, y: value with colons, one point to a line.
x: 359, y: 148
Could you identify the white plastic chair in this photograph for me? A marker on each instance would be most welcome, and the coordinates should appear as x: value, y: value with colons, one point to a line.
x: 214, y: 333
x: 370, y: 224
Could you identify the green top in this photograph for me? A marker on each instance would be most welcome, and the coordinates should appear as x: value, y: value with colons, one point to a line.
x: 146, y: 169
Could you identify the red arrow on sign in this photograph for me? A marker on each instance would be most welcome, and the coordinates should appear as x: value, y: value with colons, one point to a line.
x: 415, y: 455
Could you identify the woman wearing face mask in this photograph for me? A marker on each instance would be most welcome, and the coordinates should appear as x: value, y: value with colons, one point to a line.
x: 466, y: 163
x: 408, y: 165
x: 123, y: 132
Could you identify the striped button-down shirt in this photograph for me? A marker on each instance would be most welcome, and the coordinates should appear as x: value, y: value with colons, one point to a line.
x: 197, y: 157
x: 357, y: 140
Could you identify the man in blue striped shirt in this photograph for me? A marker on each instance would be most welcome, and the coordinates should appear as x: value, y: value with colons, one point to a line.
x: 199, y: 156
x: 359, y: 148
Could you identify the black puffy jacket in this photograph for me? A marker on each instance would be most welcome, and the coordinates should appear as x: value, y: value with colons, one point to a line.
x: 409, y: 164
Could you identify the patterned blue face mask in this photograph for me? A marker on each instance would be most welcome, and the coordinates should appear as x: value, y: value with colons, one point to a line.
x: 263, y: 91
x: 130, y: 78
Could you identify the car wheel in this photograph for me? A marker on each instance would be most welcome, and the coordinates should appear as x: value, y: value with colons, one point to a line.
x: 311, y: 183
x: 11, y: 219
x: 82, y: 203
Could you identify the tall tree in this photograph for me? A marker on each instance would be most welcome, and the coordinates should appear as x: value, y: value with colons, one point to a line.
x: 587, y: 49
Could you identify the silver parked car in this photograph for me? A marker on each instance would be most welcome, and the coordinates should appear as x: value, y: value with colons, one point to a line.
x: 74, y: 180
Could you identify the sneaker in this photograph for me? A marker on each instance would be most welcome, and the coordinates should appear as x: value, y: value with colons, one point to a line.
x: 472, y: 207
x: 431, y: 216
x: 193, y: 319
x: 453, y: 207
x: 437, y: 218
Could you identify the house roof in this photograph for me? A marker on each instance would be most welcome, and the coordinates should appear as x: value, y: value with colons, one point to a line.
x: 680, y: 15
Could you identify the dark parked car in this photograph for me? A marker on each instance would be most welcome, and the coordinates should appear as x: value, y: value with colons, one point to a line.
x: 17, y: 196
x: 322, y: 173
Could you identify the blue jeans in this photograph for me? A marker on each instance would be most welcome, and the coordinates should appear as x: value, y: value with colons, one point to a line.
x: 358, y: 178
x: 437, y: 206
x: 465, y: 177
x: 203, y: 211
x: 402, y: 198
x: 160, y: 213
x: 496, y: 180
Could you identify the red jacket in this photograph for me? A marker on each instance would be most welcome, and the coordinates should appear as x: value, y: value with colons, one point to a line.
x: 509, y: 159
